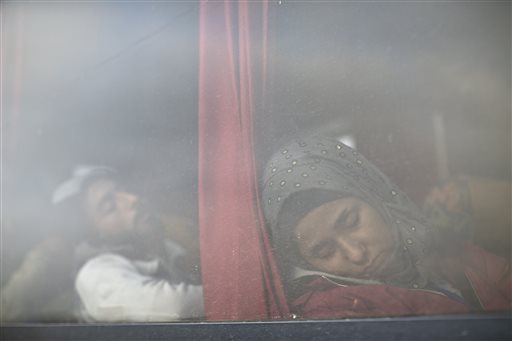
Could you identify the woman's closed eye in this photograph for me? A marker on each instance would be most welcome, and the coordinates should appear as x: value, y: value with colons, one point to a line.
x: 348, y: 219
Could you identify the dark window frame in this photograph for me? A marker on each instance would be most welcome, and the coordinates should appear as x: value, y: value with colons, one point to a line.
x: 450, y: 327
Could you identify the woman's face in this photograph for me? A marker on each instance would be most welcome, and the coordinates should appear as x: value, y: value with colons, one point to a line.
x: 346, y: 237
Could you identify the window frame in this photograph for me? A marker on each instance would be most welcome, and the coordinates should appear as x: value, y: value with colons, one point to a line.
x: 442, y: 327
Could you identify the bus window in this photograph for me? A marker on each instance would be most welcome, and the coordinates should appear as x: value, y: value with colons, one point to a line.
x: 368, y: 142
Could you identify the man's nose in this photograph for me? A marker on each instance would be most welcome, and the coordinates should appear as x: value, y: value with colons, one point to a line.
x: 353, y: 250
x: 127, y: 200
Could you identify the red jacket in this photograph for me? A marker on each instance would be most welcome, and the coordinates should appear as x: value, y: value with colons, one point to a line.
x: 489, y: 275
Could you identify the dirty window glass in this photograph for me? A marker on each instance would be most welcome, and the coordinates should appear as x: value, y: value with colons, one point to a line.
x: 381, y: 148
x: 421, y: 92
x: 108, y: 84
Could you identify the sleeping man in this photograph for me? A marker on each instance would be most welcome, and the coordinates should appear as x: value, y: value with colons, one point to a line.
x: 126, y: 268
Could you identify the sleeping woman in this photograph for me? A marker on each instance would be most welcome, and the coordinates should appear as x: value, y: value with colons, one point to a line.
x: 350, y: 244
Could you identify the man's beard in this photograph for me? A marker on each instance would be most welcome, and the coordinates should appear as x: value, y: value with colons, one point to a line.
x: 145, y: 237
x: 148, y: 231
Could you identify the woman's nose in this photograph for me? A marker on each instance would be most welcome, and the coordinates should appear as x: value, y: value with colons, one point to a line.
x: 353, y: 250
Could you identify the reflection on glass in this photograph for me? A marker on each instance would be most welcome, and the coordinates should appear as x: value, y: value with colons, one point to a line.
x: 422, y: 87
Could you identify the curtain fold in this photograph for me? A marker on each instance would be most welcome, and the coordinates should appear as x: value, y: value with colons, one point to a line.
x: 240, y: 277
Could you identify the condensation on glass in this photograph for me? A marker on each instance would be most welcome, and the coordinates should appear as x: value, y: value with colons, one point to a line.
x: 99, y: 159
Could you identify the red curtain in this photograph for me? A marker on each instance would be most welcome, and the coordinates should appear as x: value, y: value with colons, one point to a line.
x: 240, y: 276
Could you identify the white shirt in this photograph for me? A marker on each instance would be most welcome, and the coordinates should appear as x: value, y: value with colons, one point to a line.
x: 114, y: 288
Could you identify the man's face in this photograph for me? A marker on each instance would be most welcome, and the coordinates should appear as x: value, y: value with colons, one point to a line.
x: 117, y: 215
x: 346, y: 237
